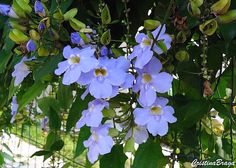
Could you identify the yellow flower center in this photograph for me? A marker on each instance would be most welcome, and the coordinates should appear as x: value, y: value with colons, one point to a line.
x: 146, y: 42
x: 156, y: 110
x: 75, y: 60
x: 147, y: 78
x: 100, y: 72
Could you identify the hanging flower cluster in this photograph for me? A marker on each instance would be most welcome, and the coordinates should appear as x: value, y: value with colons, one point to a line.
x: 90, y: 65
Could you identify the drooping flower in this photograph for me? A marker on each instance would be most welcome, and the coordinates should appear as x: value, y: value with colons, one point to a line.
x: 14, y: 108
x: 143, y: 52
x: 39, y: 9
x: 44, y: 122
x: 92, y: 117
x: 155, y: 117
x: 140, y: 134
x: 21, y: 70
x: 150, y: 80
x: 41, y: 26
x: 4, y: 9
x: 77, y: 61
x: 30, y: 46
x: 7, y: 10
x: 105, y: 79
x: 99, y: 142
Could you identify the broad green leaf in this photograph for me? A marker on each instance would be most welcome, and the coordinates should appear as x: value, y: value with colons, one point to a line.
x: 105, y: 15
x: 1, y: 159
x: 115, y: 159
x: 34, y: 91
x: 57, y: 145
x: 5, y: 56
x: 40, y: 153
x: 83, y: 135
x: 149, y: 155
x: 64, y: 96
x: 76, y: 109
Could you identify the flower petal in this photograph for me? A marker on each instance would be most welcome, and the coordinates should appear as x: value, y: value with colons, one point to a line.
x: 143, y: 58
x: 141, y: 116
x: 71, y: 75
x: 162, y: 82
x: 147, y: 96
x: 62, y: 67
x: 100, y: 89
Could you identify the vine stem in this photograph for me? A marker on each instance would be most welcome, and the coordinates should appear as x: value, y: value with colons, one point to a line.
x: 164, y: 21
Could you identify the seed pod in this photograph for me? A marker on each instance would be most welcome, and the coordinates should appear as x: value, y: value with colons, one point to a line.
x: 208, y: 27
x: 220, y: 7
x: 182, y: 55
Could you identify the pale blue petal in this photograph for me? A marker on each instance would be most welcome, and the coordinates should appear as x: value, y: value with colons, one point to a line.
x: 88, y: 63
x: 168, y: 114
x: 62, y: 67
x: 141, y: 116
x: 161, y: 101
x: 100, y: 89
x: 129, y: 79
x: 67, y: 52
x: 116, y: 77
x: 147, y: 96
x: 162, y: 82
x: 71, y: 75
x: 143, y: 58
x: 105, y: 144
x: 139, y: 37
x: 93, y: 154
x: 140, y: 135
x: 153, y: 67
x: 85, y: 78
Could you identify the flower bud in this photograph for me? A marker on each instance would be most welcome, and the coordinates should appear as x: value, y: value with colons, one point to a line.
x: 220, y: 7
x: 129, y: 145
x: 76, y: 24
x: 230, y: 16
x: 105, y: 15
x: 106, y: 38
x: 34, y: 35
x: 150, y: 24
x: 182, y: 55
x: 70, y: 14
x: 30, y: 46
x: 43, y: 52
x: 39, y: 9
x: 18, y: 36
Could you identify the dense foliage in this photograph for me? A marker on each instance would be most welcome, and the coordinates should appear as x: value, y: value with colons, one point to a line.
x: 160, y: 74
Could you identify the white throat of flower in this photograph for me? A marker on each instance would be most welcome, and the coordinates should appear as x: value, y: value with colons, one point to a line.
x: 75, y: 59
x: 156, y: 110
x: 146, y: 78
x: 146, y: 42
x: 100, y: 72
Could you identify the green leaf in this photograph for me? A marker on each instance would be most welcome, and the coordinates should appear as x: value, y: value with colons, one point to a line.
x: 34, y: 91
x: 149, y: 155
x: 76, y: 24
x: 129, y: 145
x: 64, y: 5
x: 40, y: 153
x: 76, y: 110
x: 83, y: 135
x: 218, y: 106
x: 1, y: 159
x: 64, y: 96
x: 106, y: 37
x: 51, y: 108
x: 70, y: 14
x: 4, y: 59
x: 57, y: 145
x: 115, y: 159
x: 48, y: 68
x: 105, y: 15
x: 190, y: 113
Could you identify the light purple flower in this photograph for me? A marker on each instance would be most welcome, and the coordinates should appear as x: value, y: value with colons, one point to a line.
x: 7, y: 11
x: 14, y: 108
x: 30, y: 46
x: 92, y: 117
x: 143, y: 52
x: 156, y: 117
x: 140, y: 134
x: 4, y: 9
x: 150, y: 80
x: 38, y: 8
x: 99, y: 142
x: 44, y: 122
x: 77, y: 61
x: 21, y: 70
x: 105, y: 79
x: 104, y: 51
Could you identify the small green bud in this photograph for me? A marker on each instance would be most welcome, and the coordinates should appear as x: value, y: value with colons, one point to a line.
x: 230, y: 16
x: 182, y: 55
x: 15, y: 24
x: 129, y: 146
x: 43, y: 52
x: 70, y: 14
x: 109, y: 113
x: 24, y: 5
x: 106, y: 38
x: 113, y: 132
x: 18, y: 36
x: 34, y: 35
x: 177, y: 151
x: 105, y: 15
x: 181, y: 37
x: 151, y: 24
x: 76, y: 24
x: 198, y: 3
x: 194, y: 10
x: 58, y: 15
x: 18, y: 10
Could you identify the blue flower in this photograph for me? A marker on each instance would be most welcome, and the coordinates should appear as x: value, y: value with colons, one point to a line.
x: 30, y: 46
x: 4, y: 9
x: 39, y: 9
x: 77, y: 61
x: 150, y: 80
x: 155, y: 117
x: 139, y: 133
x: 75, y: 38
x: 92, y: 117
x: 105, y: 79
x: 99, y: 142
x: 41, y: 26
x: 14, y: 108
x: 143, y: 50
x: 21, y: 70
x: 7, y: 10
x: 104, y: 51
